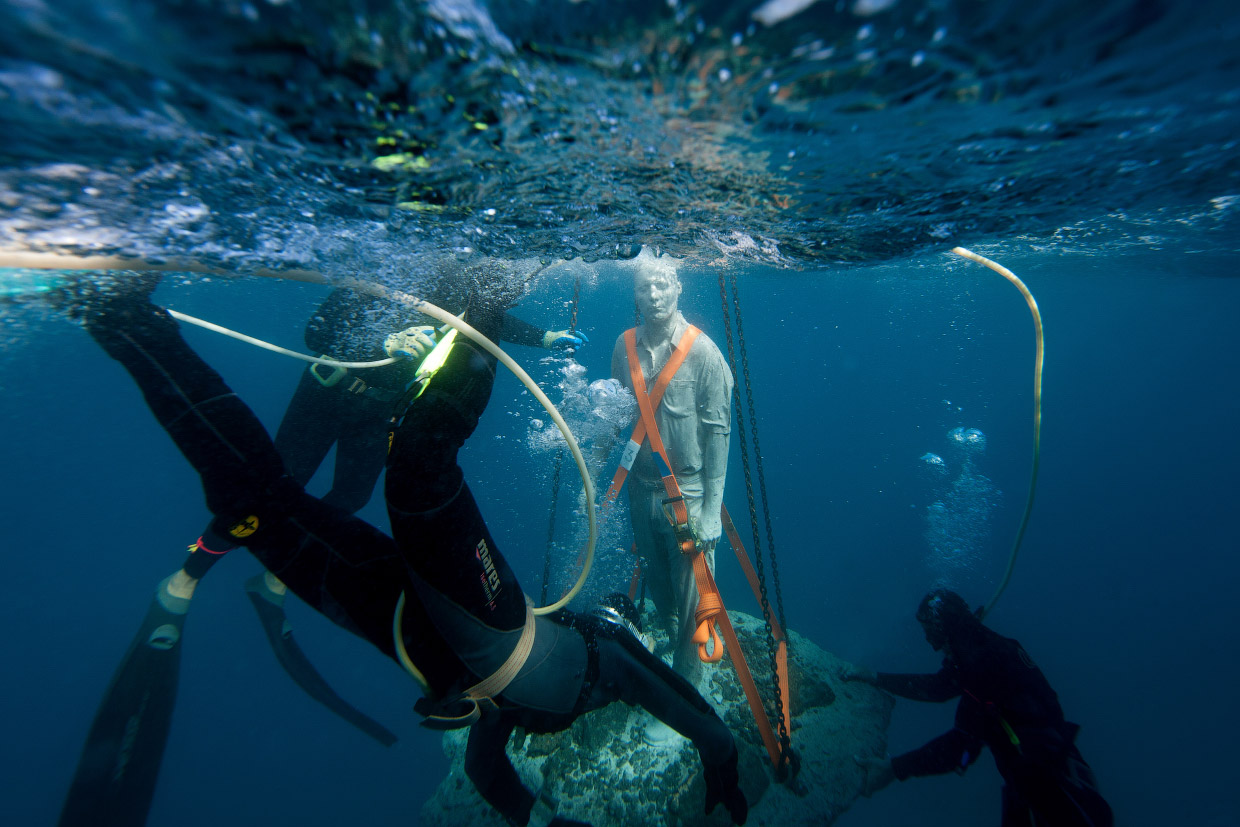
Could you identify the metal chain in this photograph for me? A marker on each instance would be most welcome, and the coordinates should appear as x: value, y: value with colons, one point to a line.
x: 757, y: 451
x: 555, y: 497
x: 572, y: 319
x: 785, y: 744
x: 559, y: 461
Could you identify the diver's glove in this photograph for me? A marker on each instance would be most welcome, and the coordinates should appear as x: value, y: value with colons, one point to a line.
x: 859, y: 673
x: 723, y: 786
x: 878, y: 774
x: 413, y: 343
x: 564, y: 338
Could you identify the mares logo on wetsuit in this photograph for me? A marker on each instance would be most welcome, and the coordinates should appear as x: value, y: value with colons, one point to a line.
x: 245, y: 527
x: 490, y: 577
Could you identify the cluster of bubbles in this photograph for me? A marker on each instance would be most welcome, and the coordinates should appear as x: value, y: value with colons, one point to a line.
x: 19, y: 290
x: 958, y: 521
x: 596, y: 412
x: 935, y: 464
x: 970, y: 439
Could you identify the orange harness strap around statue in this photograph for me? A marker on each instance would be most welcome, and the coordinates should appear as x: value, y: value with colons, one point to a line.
x: 639, y: 431
x: 711, y: 615
x: 654, y: 398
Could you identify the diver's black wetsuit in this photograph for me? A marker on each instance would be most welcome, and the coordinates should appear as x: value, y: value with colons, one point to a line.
x: 352, y: 413
x: 463, y: 614
x: 1048, y: 782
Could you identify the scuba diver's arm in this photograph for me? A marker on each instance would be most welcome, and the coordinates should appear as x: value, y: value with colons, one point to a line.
x: 523, y: 333
x: 520, y: 332
x: 936, y: 688
x: 952, y: 751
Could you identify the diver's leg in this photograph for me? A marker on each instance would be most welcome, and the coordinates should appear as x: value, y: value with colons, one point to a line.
x: 1067, y: 798
x: 422, y: 465
x: 343, y: 567
x: 1015, y: 811
x: 487, y: 765
x: 308, y: 428
x: 641, y: 679
x: 1081, y: 786
x: 361, y: 452
x: 626, y: 672
x: 435, y: 519
x: 463, y: 580
x: 227, y: 445
x: 212, y: 427
x: 305, y: 435
x: 340, y: 565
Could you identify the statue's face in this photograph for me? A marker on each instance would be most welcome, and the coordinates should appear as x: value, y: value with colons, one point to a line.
x: 658, y: 293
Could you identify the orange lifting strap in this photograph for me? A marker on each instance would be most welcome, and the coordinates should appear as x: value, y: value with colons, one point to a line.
x: 781, y: 648
x: 711, y: 616
x: 651, y: 401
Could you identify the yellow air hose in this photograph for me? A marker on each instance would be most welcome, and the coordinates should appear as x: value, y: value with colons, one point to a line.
x: 283, y: 351
x: 50, y: 261
x: 1037, y: 411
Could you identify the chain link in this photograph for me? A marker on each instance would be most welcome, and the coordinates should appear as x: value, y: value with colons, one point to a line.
x: 757, y: 451
x: 555, y: 498
x: 559, y: 461
x: 785, y: 745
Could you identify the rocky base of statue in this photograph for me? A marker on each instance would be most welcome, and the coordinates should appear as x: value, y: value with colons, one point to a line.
x: 602, y: 771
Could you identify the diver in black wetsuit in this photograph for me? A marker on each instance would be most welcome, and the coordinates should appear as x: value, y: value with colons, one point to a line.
x: 1006, y: 704
x: 464, y: 613
x: 350, y: 409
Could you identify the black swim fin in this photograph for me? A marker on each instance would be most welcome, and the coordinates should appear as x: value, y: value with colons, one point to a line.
x: 118, y: 768
x: 267, y: 594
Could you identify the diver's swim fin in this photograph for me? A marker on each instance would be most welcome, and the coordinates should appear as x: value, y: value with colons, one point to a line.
x: 267, y: 594
x: 116, y: 773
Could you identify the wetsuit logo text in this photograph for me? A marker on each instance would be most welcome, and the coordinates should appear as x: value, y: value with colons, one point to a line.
x: 490, y: 577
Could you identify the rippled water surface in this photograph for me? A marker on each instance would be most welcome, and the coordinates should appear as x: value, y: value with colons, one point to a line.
x: 344, y: 136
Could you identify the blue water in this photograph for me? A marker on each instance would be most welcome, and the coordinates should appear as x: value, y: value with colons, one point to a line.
x: 830, y: 161
x: 1124, y: 593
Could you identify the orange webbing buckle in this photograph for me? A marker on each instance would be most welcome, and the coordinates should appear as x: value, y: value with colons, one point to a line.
x: 678, y: 515
x: 710, y: 604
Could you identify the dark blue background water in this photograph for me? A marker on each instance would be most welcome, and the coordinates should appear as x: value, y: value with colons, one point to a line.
x: 1124, y: 594
x: 1090, y: 147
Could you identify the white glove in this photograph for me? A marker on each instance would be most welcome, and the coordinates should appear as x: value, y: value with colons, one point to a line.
x: 412, y: 343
